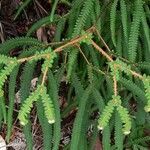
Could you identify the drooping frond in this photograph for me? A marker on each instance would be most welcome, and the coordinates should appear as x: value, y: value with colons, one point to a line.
x: 125, y: 118
x: 79, y: 118
x: 18, y: 42
x: 124, y: 18
x: 85, y: 12
x: 27, y: 105
x: 113, y: 21
x: 118, y: 132
x: 48, y: 106
x: 134, y: 30
x: 106, y: 115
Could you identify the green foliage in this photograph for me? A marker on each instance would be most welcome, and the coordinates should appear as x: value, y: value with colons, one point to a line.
x: 134, y: 31
x: 102, y: 49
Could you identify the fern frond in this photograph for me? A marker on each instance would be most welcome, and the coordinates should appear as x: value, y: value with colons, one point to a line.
x: 26, y: 78
x: 125, y: 118
x: 53, y: 92
x: 11, y: 96
x: 27, y: 105
x: 48, y: 106
x: 4, y: 73
x: 46, y: 127
x: 85, y: 12
x: 79, y: 119
x: 124, y: 18
x: 118, y: 132
x: 71, y: 61
x: 134, y: 89
x: 146, y: 81
x: 80, y: 23
x: 134, y: 31
x: 18, y: 42
x: 113, y: 21
x: 106, y: 115
x: 146, y: 29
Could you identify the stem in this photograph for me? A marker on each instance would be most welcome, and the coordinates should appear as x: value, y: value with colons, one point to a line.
x: 101, y: 51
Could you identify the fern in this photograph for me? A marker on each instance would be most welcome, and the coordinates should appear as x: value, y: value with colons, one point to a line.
x: 124, y: 18
x: 77, y: 30
x: 106, y: 115
x: 134, y: 31
x: 125, y: 119
x: 18, y: 42
x: 118, y: 133
x: 12, y: 86
x: 24, y: 91
x: 79, y: 118
x: 113, y: 20
x: 27, y: 105
x: 53, y: 91
x: 48, y: 106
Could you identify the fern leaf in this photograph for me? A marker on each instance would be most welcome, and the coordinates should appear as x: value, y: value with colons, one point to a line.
x: 27, y: 105
x: 4, y: 73
x: 134, y: 89
x: 125, y: 118
x: 113, y: 21
x: 106, y: 115
x: 46, y: 127
x: 53, y: 92
x: 124, y: 18
x: 79, y: 119
x: 17, y: 42
x: 12, y: 86
x: 146, y: 29
x: 118, y: 132
x: 134, y: 31
x: 26, y: 78
x: 85, y: 12
x: 48, y: 106
x: 80, y: 23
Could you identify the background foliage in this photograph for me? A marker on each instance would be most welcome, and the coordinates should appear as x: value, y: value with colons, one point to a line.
x: 102, y: 50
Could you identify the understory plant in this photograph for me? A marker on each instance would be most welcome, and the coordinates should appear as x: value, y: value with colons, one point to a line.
x: 102, y: 49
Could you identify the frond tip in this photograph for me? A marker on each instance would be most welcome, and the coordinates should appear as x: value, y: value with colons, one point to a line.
x: 125, y: 118
x: 47, y: 103
x: 106, y: 115
x: 48, y: 106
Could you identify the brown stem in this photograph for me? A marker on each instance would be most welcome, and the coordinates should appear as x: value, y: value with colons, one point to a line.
x: 101, y: 51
